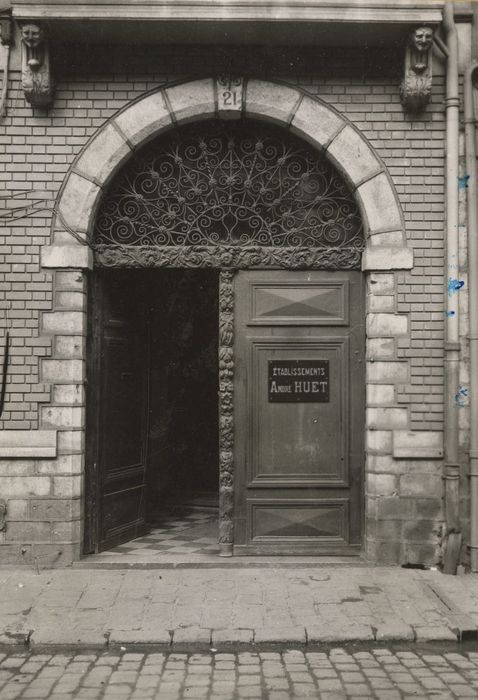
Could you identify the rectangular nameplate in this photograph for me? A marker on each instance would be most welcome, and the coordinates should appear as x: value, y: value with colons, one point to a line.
x: 298, y: 381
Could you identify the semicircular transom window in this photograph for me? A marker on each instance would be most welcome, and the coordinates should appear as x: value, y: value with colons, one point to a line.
x: 239, y: 183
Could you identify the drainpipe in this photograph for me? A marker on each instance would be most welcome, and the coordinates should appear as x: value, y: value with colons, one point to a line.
x: 472, y: 219
x: 452, y: 345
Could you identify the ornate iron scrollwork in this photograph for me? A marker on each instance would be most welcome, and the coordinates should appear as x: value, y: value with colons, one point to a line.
x: 231, y: 184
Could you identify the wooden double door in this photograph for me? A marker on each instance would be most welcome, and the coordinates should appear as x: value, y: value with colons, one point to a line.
x: 298, y: 411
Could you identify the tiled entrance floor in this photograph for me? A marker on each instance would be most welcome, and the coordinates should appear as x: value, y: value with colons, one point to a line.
x: 189, y: 535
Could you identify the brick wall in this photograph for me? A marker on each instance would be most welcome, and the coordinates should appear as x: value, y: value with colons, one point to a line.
x: 39, y: 149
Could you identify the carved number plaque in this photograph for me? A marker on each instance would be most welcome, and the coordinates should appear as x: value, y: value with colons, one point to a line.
x: 298, y: 381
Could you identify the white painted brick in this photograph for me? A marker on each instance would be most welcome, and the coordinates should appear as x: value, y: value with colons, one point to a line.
x: 387, y: 372
x: 351, y: 154
x: 274, y: 102
x: 381, y: 394
x: 315, y: 122
x: 379, y: 325
x: 144, y: 119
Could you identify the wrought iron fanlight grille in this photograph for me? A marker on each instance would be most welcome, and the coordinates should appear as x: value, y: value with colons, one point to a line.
x: 233, y: 184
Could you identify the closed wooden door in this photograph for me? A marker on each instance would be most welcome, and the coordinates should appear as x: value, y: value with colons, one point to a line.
x: 117, y: 388
x: 299, y: 412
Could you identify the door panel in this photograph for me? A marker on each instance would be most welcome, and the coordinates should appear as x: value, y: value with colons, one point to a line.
x: 120, y: 385
x: 299, y: 411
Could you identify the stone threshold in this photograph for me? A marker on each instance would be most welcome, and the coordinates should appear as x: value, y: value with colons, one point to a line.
x: 277, y: 562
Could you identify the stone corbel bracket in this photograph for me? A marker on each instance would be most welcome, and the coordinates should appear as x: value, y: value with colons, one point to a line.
x: 416, y: 87
x: 37, y: 80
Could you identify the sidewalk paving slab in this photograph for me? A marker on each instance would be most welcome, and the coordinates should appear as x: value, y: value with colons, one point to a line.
x: 194, y: 608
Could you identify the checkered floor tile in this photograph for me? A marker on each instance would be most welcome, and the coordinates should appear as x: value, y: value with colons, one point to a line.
x: 194, y: 532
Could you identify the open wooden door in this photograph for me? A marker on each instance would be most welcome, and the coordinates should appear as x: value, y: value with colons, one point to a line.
x: 117, y: 411
x: 299, y: 412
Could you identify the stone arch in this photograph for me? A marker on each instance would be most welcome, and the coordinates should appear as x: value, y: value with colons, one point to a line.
x: 309, y: 117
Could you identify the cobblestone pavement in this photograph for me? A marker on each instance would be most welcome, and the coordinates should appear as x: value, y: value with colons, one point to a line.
x: 186, y: 608
x: 341, y: 672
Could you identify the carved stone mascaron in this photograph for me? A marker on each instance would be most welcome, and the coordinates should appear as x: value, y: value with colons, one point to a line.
x: 416, y: 87
x: 37, y: 81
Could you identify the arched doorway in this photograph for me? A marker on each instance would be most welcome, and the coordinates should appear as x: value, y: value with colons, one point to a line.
x: 252, y: 221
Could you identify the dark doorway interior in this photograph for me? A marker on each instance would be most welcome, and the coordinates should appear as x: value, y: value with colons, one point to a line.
x: 183, y: 425
x: 153, y: 388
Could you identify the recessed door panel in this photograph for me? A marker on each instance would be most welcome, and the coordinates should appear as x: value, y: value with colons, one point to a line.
x: 299, y: 412
x: 300, y: 439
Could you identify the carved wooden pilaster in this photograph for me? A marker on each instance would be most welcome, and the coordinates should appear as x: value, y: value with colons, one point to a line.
x: 416, y: 87
x: 226, y: 412
x: 37, y: 81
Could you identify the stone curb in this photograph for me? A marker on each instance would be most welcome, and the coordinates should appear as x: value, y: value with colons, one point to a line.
x: 201, y: 639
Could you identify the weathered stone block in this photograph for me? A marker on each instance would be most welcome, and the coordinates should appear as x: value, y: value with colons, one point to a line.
x: 388, y: 238
x: 387, y: 418
x: 315, y: 122
x: 70, y: 300
x: 72, y: 394
x: 24, y: 486
x: 62, y: 370
x: 28, y: 532
x: 352, y: 155
x: 395, y: 508
x: 144, y: 119
x: 78, y: 202
x: 70, y: 346
x: 378, y: 204
x: 421, y: 485
x: 27, y: 443
x: 63, y: 464
x: 232, y: 636
x: 71, y: 280
x: 380, y: 325
x: 17, y: 509
x: 381, y: 283
x: 394, y: 632
x: 16, y: 467
x: 377, y: 304
x: 381, y: 484
x: 63, y: 416
x: 389, y: 530
x: 380, y: 394
x: 66, y: 531
x: 64, y: 322
x: 387, y: 258
x: 274, y: 102
x: 386, y: 553
x: 67, y: 256
x: 384, y: 464
x: 103, y: 155
x: 379, y: 440
x: 417, y: 444
x: 53, y: 509
x: 420, y: 531
x: 67, y: 486
x: 192, y: 100
x: 70, y: 441
x: 280, y: 635
x: 387, y: 372
x: 380, y: 348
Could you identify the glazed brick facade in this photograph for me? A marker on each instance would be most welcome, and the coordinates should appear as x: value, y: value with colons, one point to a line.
x: 404, y: 495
